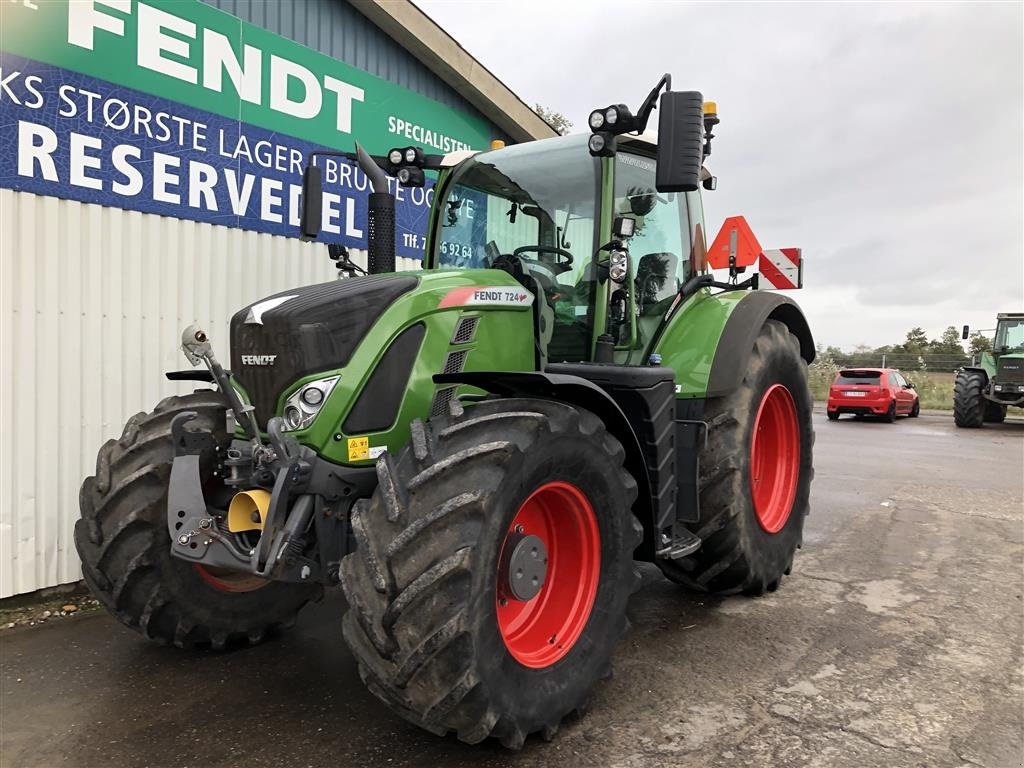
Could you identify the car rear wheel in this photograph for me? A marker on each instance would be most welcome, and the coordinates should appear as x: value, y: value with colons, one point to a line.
x: 890, y: 415
x: 832, y: 415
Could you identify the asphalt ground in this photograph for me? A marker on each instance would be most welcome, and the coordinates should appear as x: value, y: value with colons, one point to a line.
x: 897, y: 641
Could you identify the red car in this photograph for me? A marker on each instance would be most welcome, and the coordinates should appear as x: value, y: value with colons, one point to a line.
x: 872, y: 392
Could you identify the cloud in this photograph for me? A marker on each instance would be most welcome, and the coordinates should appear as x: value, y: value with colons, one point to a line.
x: 886, y: 140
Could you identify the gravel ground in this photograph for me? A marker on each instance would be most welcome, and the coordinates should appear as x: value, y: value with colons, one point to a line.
x: 897, y: 641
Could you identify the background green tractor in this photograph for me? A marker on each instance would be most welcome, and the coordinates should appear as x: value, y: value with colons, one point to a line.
x: 477, y: 452
x: 983, y: 392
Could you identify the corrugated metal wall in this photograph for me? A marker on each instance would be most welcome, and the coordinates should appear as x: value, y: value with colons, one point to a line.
x: 92, y: 304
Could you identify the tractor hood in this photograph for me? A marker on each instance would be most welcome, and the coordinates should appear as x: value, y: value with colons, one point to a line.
x: 282, y: 338
x: 383, y: 338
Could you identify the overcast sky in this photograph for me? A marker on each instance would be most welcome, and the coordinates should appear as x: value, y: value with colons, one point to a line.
x: 884, y: 139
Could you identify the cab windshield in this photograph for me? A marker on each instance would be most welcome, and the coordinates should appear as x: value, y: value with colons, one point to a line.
x: 1010, y: 334
x: 530, y: 209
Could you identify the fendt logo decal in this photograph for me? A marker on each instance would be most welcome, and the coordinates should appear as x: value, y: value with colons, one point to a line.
x: 258, y: 359
x: 490, y: 295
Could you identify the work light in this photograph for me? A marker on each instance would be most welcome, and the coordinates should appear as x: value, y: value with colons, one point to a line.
x: 596, y: 120
x: 395, y: 157
x: 602, y: 144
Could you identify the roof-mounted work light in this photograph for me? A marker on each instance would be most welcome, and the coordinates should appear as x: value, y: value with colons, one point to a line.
x: 406, y: 165
x: 616, y: 119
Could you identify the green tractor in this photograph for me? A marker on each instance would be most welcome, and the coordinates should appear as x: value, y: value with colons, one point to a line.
x: 982, y: 393
x: 479, y: 451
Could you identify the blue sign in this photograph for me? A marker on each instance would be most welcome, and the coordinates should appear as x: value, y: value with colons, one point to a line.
x: 69, y: 135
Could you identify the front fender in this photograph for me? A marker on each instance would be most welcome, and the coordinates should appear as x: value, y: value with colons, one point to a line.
x: 578, y: 391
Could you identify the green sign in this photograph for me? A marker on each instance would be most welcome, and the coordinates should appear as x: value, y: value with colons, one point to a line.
x: 193, y: 54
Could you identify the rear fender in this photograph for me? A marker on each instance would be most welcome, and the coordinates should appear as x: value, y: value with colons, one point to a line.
x: 741, y: 331
x: 585, y: 394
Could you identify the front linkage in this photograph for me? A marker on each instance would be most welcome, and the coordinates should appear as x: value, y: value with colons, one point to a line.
x: 288, y: 494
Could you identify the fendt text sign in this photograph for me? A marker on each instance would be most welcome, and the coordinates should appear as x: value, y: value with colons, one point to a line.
x: 179, y: 109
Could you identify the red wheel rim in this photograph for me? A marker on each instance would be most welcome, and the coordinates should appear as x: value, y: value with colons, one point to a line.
x: 775, y: 458
x: 224, y: 580
x: 540, y: 631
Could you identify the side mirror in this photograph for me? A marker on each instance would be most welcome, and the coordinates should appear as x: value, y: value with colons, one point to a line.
x: 680, y: 141
x: 966, y: 333
x: 312, y: 203
x: 910, y: 385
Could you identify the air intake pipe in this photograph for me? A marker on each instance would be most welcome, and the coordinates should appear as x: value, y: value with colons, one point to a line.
x: 380, y: 217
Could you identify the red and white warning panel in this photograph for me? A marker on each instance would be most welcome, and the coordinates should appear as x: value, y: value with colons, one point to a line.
x: 781, y: 268
x: 736, y: 248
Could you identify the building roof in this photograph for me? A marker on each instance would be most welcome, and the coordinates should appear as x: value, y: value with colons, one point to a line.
x: 411, y: 28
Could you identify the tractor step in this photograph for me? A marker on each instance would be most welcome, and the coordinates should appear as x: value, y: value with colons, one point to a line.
x: 683, y: 543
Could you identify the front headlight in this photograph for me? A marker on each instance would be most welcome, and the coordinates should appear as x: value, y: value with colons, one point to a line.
x: 303, y: 405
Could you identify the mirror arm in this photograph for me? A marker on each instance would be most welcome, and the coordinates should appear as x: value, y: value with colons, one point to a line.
x: 645, y: 109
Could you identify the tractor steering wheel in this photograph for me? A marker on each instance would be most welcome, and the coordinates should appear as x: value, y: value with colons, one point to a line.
x: 545, y: 249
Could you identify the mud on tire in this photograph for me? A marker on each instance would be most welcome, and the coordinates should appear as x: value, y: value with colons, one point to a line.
x: 421, y: 587
x: 125, y: 547
x: 737, y: 554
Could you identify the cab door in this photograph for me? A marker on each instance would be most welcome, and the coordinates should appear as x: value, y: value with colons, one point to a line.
x: 659, y: 250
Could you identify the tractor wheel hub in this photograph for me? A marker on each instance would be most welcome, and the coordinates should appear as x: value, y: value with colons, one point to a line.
x: 527, y: 566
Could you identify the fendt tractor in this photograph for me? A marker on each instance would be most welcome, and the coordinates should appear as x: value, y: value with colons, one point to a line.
x: 477, y: 452
x: 982, y: 392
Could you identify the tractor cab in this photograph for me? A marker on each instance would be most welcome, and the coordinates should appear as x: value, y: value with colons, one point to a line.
x: 506, y: 209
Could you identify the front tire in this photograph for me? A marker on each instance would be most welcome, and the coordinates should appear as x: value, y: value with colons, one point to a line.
x: 755, y: 475
x: 968, y: 402
x: 125, y: 548
x: 438, y: 634
x: 916, y: 410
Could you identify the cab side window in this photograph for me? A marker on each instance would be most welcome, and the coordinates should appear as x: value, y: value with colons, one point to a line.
x: 661, y: 246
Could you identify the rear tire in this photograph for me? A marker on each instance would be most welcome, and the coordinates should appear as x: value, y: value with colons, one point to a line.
x: 832, y: 415
x: 423, y: 587
x: 968, y: 402
x: 994, y: 413
x: 890, y: 415
x: 125, y: 548
x: 738, y: 554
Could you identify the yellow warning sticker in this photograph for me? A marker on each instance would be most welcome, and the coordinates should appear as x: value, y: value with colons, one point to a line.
x: 358, y: 448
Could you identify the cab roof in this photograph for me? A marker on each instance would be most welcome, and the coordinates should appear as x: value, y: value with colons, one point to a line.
x: 648, y: 140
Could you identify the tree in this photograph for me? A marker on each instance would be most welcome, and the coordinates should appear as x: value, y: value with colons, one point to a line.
x: 950, y: 338
x: 556, y: 120
x: 979, y: 343
x: 917, y: 339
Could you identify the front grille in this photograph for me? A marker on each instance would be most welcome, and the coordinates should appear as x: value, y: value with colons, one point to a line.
x: 1011, y: 371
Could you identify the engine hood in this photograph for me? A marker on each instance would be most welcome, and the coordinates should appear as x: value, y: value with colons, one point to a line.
x: 281, y: 338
